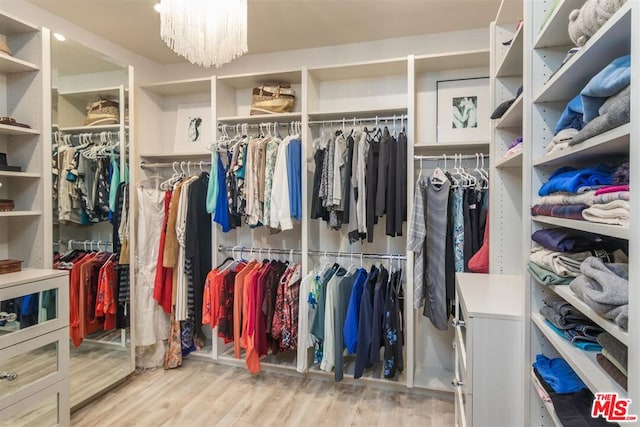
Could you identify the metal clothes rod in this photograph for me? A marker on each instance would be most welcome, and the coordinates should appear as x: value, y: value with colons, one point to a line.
x: 313, y: 253
x: 458, y: 157
x: 241, y: 126
x: 349, y: 120
x: 145, y: 165
x: 84, y: 243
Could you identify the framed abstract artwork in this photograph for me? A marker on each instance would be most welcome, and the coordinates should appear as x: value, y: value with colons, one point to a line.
x: 463, y: 111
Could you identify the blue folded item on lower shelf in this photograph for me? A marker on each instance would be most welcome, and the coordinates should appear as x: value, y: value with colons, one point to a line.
x: 571, y: 338
x: 558, y: 374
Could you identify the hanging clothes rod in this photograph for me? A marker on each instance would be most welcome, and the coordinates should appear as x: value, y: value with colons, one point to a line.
x: 238, y: 127
x: 313, y: 253
x: 145, y: 165
x: 349, y: 120
x: 459, y: 157
x: 85, y: 244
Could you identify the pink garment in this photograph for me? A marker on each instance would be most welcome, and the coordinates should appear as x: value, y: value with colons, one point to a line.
x: 611, y: 189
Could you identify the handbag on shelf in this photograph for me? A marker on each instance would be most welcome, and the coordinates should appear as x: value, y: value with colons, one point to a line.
x: 272, y: 99
x: 102, y: 112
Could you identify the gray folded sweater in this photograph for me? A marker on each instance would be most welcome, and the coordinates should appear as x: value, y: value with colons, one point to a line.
x: 617, y: 349
x: 604, y: 288
x: 614, y: 113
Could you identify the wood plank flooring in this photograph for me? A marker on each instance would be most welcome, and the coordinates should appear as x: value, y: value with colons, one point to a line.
x: 209, y: 394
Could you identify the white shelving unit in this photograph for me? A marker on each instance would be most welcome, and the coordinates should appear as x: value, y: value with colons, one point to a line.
x: 342, y: 93
x: 25, y: 81
x: 507, y: 74
x: 547, y: 405
x: 552, y: 88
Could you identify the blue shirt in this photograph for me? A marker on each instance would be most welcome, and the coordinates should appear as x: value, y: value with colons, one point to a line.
x: 294, y: 175
x: 353, y: 312
x: 222, y: 204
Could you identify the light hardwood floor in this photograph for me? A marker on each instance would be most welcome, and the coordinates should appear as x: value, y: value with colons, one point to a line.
x: 209, y: 394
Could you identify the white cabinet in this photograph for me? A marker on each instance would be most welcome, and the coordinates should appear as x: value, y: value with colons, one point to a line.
x: 488, y: 341
x: 34, y: 349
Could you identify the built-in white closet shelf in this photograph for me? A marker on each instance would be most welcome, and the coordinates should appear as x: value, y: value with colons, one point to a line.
x: 567, y: 294
x: 90, y: 94
x: 617, y: 231
x: 19, y: 174
x: 9, y: 64
x: 279, y: 117
x: 179, y: 87
x: 451, y: 61
x: 11, y: 214
x: 512, y: 118
x: 614, y: 142
x: 241, y: 81
x: 91, y: 129
x: 554, y: 32
x: 433, y: 379
x: 511, y: 64
x: 452, y: 146
x: 610, y: 42
x: 12, y: 25
x: 181, y: 156
x: 548, y: 406
x: 358, y: 114
x: 582, y: 362
x: 17, y: 130
x: 514, y: 161
x: 370, y: 69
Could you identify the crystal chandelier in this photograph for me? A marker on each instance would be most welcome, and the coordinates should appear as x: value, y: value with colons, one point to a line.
x: 205, y: 32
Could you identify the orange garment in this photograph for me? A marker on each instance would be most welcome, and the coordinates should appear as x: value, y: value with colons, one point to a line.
x: 246, y: 291
x: 252, y: 359
x: 207, y: 316
x: 106, y: 304
x: 74, y: 300
x: 238, y: 291
x: 89, y: 323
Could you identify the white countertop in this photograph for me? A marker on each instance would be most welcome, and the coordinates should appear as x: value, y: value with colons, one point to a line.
x: 28, y: 275
x: 491, y: 295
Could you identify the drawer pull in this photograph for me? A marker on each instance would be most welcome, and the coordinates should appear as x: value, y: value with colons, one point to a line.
x: 457, y: 383
x: 457, y: 323
x: 9, y: 376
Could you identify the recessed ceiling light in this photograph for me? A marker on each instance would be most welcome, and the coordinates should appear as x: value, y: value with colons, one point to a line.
x: 59, y: 37
x: 157, y: 7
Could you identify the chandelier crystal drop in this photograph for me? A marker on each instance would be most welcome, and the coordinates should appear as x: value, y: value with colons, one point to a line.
x: 206, y: 32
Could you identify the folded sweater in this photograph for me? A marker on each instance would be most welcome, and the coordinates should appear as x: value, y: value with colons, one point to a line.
x: 613, y: 213
x: 616, y: 348
x: 608, y: 82
x: 604, y: 288
x: 616, y: 114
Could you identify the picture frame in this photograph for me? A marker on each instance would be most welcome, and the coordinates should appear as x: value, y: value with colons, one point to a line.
x: 193, y: 128
x: 463, y: 111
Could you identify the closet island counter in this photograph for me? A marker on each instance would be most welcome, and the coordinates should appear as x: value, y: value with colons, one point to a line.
x: 491, y: 295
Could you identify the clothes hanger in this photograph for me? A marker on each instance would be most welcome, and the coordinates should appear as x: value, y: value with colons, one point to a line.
x: 438, y: 176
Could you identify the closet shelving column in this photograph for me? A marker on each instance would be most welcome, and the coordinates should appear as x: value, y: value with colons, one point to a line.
x: 25, y: 232
x: 550, y: 94
x: 24, y: 90
x: 343, y: 97
x: 159, y: 105
x: 433, y: 358
x: 71, y: 116
x: 506, y: 171
x: 232, y: 106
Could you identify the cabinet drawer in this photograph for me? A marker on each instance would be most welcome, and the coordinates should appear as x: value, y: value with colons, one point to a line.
x: 36, y: 364
x: 39, y: 307
x: 43, y: 408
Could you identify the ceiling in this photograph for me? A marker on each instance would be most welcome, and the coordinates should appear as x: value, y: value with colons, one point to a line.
x: 277, y: 25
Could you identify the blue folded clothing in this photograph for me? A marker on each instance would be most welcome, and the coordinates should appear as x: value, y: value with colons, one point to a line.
x: 570, y: 180
x: 558, y: 374
x: 575, y: 340
x: 611, y: 80
x: 572, y: 116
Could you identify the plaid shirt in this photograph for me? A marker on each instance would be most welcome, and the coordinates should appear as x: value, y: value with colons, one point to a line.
x: 416, y: 241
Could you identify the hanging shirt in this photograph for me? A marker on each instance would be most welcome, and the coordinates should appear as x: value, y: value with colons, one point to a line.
x: 304, y: 337
x: 353, y: 311
x: 280, y: 201
x: 271, y: 154
x: 417, y: 240
x: 328, y: 355
x: 294, y: 176
x: 213, y: 187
